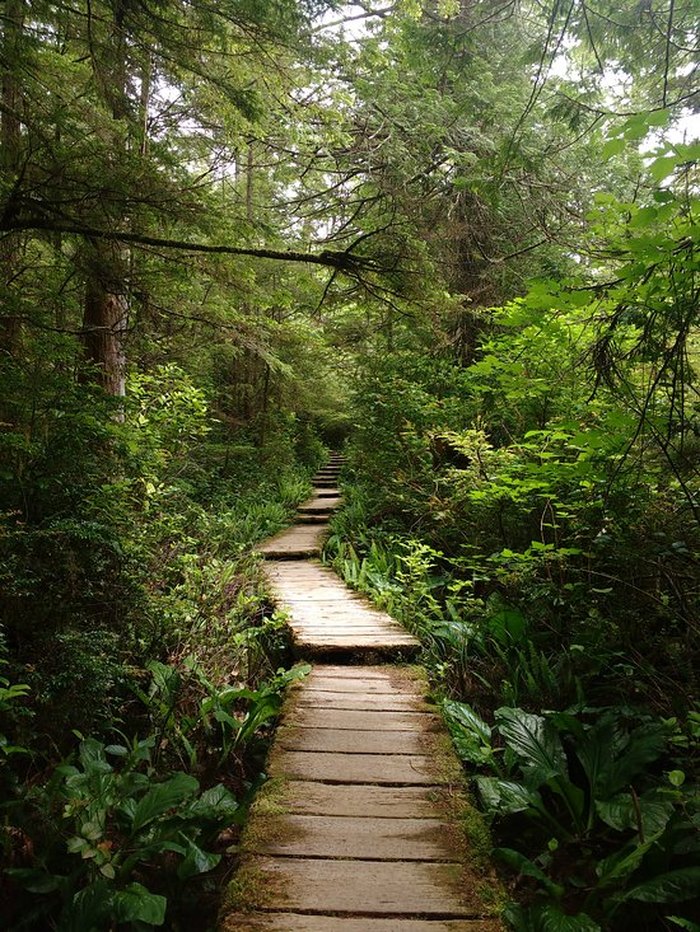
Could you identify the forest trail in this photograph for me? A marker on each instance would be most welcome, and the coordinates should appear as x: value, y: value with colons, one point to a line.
x: 358, y: 829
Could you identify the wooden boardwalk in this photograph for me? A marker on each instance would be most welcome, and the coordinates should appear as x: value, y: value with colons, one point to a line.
x: 358, y: 829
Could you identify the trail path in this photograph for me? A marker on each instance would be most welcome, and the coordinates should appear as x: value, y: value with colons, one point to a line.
x: 359, y: 828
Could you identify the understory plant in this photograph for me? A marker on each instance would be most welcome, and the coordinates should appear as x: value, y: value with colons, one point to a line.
x: 115, y: 840
x: 604, y: 832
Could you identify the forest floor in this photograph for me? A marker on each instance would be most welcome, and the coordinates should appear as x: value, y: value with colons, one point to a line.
x: 364, y: 823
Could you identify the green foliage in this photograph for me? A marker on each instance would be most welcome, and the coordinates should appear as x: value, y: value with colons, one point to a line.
x: 226, y: 722
x: 584, y: 793
x: 10, y: 694
x: 119, y: 822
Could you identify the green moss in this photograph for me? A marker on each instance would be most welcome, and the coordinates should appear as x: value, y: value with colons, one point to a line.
x: 249, y: 890
x: 271, y: 798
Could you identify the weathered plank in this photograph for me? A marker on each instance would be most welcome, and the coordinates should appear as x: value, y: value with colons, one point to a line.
x: 318, y: 644
x: 402, y: 888
x: 391, y: 675
x: 349, y: 741
x: 304, y: 836
x: 352, y: 686
x: 301, y: 539
x: 310, y: 717
x: 324, y: 617
x: 317, y: 638
x: 357, y: 682
x: 303, y: 922
x: 336, y: 613
x: 318, y: 502
x: 378, y: 702
x: 328, y: 596
x: 405, y: 770
x: 382, y: 802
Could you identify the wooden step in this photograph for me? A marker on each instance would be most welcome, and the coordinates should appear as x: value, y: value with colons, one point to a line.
x: 305, y: 922
x: 323, y: 619
x: 320, y: 503
x: 296, y: 543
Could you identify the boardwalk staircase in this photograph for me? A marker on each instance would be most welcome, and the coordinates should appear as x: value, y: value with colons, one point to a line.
x: 361, y: 827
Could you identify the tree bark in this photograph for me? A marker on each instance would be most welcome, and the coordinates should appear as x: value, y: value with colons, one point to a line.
x: 10, y: 158
x: 106, y: 306
x: 105, y: 320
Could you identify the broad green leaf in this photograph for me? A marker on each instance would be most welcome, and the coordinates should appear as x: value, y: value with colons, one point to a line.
x: 137, y: 904
x: 507, y: 626
x: 644, y: 217
x: 161, y: 797
x: 216, y: 804
x: 550, y: 918
x: 643, y: 746
x: 91, y: 906
x: 672, y: 887
x: 506, y: 796
x: 663, y: 167
x: 620, y: 812
x: 536, y: 743
x: 613, y: 147
x: 471, y: 734
x: 687, y: 924
x: 611, y: 758
x: 523, y: 865
x: 196, y: 861
x: 92, y: 756
x: 34, y: 880
x: 622, y: 863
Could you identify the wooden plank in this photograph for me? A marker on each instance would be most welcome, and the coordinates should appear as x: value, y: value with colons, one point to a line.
x: 350, y: 614
x: 309, y: 717
x: 299, y: 538
x: 372, y: 839
x: 303, y: 922
x: 393, y: 702
x: 318, y: 641
x: 349, y: 741
x: 389, y: 888
x: 316, y: 601
x: 371, y: 671
x: 342, y: 624
x: 315, y: 682
x: 406, y: 770
x: 330, y: 502
x: 328, y: 596
x: 375, y: 637
x: 353, y: 686
x: 381, y: 802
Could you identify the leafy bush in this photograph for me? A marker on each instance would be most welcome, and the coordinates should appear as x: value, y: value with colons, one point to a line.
x: 598, y: 831
x: 107, y: 827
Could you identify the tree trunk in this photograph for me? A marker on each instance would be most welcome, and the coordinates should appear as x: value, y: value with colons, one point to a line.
x: 10, y: 144
x: 105, y: 321
x: 106, y: 307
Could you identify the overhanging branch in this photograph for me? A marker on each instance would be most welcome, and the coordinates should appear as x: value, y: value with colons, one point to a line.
x: 343, y: 261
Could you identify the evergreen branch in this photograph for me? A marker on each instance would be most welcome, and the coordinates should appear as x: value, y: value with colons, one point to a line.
x: 342, y: 261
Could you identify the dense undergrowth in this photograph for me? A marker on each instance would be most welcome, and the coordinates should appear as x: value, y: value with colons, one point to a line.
x: 544, y: 557
x: 142, y: 662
